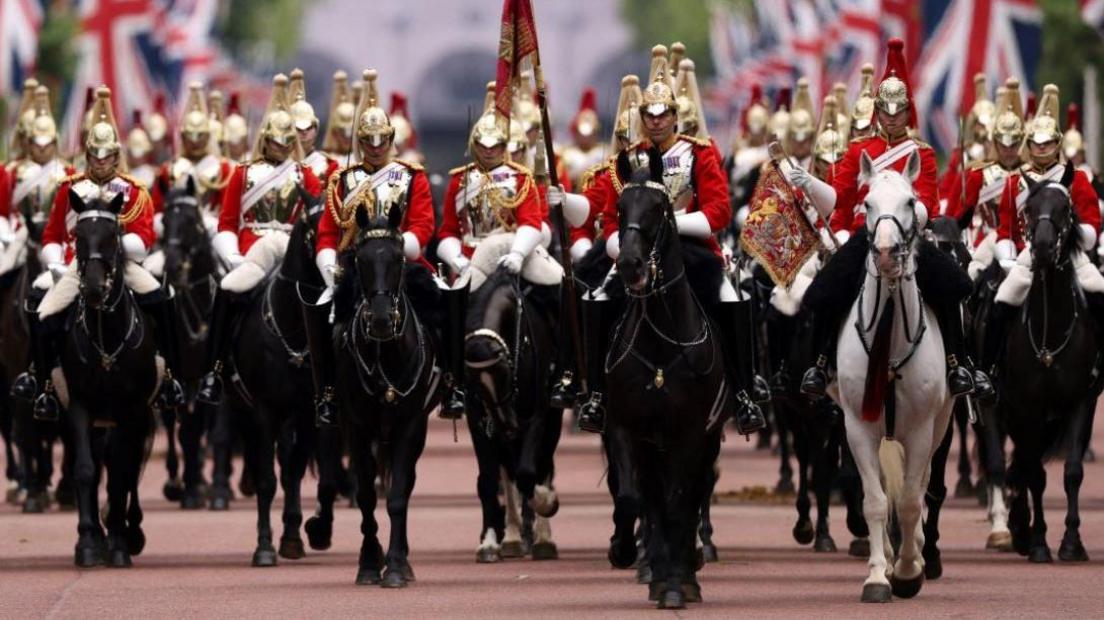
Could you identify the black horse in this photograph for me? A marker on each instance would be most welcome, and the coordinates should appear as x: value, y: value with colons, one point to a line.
x: 108, y: 361
x: 510, y: 345
x: 666, y: 377
x: 1050, y: 373
x: 190, y: 270
x: 388, y: 381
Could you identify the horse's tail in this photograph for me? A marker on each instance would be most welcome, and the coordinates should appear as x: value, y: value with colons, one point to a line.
x: 891, y: 456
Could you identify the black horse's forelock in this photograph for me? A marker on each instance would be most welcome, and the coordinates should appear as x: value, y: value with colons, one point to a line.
x: 1069, y: 242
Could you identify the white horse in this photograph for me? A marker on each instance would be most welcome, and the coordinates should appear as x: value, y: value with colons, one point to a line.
x: 894, y: 441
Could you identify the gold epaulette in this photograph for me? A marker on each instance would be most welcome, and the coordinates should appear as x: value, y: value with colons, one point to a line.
x: 979, y: 165
x: 920, y: 144
x: 463, y: 168
x: 412, y: 165
x: 695, y: 140
x: 587, y: 178
x: 73, y: 178
x: 142, y: 203
x: 519, y: 167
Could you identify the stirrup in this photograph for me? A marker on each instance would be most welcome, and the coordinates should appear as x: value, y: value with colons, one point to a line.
x: 959, y: 380
x: 171, y: 395
x: 454, y: 404
x: 780, y: 381
x: 563, y: 392
x: 592, y: 414
x: 46, y: 406
x: 983, y: 388
x: 760, y: 390
x: 749, y: 417
x: 25, y: 386
x: 210, y: 386
x: 815, y: 381
x: 325, y: 413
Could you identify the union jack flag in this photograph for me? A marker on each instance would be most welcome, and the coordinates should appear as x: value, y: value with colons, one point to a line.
x: 1093, y: 12
x: 20, y: 21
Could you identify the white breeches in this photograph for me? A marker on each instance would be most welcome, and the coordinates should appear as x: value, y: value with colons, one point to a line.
x: 14, y: 254
x: 982, y: 256
x: 1013, y: 290
x: 60, y: 294
x: 263, y: 257
x: 788, y: 300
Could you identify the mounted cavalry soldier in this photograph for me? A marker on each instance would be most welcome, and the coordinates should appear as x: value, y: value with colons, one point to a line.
x: 306, y: 124
x: 262, y: 201
x: 376, y: 184
x: 698, y: 191
x: 337, y: 143
x: 586, y: 151
x: 862, y: 113
x: 941, y: 280
x: 1044, y: 165
x: 406, y: 138
x: 58, y: 286
x: 235, y: 132
x: 976, y: 150
x: 199, y: 163
x: 750, y: 152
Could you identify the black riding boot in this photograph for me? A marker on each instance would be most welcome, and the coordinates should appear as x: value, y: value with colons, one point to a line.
x: 597, y: 332
x: 162, y: 309
x: 46, y: 406
x: 825, y: 331
x: 316, y: 320
x: 452, y: 334
x: 564, y: 391
x: 960, y: 381
x: 222, y: 321
x: 734, y: 320
x: 996, y: 333
x: 25, y: 386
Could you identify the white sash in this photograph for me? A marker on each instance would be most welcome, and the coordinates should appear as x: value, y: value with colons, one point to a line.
x: 373, y: 181
x: 1054, y: 174
x: 890, y: 157
x: 24, y: 189
x: 470, y: 186
x: 678, y: 149
x: 313, y: 159
x: 273, y: 181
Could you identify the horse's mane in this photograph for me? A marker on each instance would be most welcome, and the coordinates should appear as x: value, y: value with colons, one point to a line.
x: 481, y: 297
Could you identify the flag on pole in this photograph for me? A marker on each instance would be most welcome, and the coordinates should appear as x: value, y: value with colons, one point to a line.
x: 517, y: 40
x: 20, y: 22
x: 776, y: 233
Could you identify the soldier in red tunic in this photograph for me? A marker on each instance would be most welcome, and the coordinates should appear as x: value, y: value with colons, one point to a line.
x: 259, y: 207
x: 306, y: 124
x: 941, y: 280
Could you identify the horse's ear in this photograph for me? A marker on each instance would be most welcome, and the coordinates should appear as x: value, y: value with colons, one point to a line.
x: 76, y: 203
x: 624, y: 168
x: 190, y: 186
x: 395, y: 216
x: 1067, y: 176
x: 655, y: 165
x: 1031, y: 183
x: 362, y: 220
x: 866, y: 168
x: 912, y: 166
x: 116, y: 205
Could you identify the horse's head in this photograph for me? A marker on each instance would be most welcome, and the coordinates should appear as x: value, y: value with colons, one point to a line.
x: 645, y: 220
x: 184, y: 237
x: 489, y: 360
x: 890, y: 214
x: 98, y: 247
x: 380, y: 267
x: 1049, y: 220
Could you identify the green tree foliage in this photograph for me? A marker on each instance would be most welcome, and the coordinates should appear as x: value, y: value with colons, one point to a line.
x: 667, y: 21
x: 1069, y: 44
x: 262, y: 32
x: 57, y: 54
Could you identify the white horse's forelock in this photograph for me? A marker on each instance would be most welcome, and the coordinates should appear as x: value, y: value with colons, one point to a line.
x: 889, y: 190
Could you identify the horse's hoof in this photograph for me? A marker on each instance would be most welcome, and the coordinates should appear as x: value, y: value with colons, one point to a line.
x: 933, y: 565
x: 488, y: 556
x: 643, y: 573
x: 319, y: 533
x: 1040, y: 554
x: 963, y: 489
x: 672, y: 599
x: 368, y: 576
x: 407, y: 571
x: 264, y: 556
x: 219, y: 503
x: 393, y: 579
x: 119, y: 559
x: 785, y: 486
x: 173, y: 490
x: 545, y: 551
x: 292, y: 549
x: 999, y: 541
x: 709, y: 554
x: 34, y: 505
x: 876, y: 593
x: 512, y: 549
x: 135, y: 540
x: 87, y: 557
x: 824, y: 544
x: 692, y: 592
x: 1072, y: 551
x: 803, y: 531
x: 906, y: 588
x: 859, y: 548
x: 192, y: 499
x: 622, y: 553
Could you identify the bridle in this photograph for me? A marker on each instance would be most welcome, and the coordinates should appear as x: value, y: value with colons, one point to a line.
x: 1062, y: 259
x: 116, y: 294
x: 902, y: 251
x: 1061, y: 234
x: 107, y: 261
x: 657, y: 282
x: 396, y: 294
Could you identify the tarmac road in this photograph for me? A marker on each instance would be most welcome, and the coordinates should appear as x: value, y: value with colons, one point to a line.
x: 197, y: 564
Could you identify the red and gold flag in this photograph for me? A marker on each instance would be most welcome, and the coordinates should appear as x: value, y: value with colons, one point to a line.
x: 776, y: 233
x: 517, y: 40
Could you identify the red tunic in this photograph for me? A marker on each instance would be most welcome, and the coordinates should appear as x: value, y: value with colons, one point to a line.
x: 5, y: 192
x: 850, y: 196
x: 59, y: 228
x: 1082, y: 194
x: 952, y: 177
x: 213, y: 198
x: 419, y: 218
x: 231, y: 218
x: 598, y: 188
x: 709, y: 186
x: 527, y: 213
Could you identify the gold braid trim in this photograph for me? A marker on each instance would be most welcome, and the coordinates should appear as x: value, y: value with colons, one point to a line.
x: 612, y: 167
x: 219, y: 183
x: 141, y: 204
x: 344, y: 213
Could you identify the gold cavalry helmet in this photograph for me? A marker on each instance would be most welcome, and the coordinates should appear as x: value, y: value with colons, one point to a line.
x: 526, y: 109
x: 342, y: 111
x: 195, y: 124
x: 372, y: 122
x: 691, y: 111
x: 756, y: 116
x: 518, y: 141
x: 43, y: 128
x: 586, y: 121
x: 1008, y: 128
x: 862, y: 112
x: 277, y: 124
x: 490, y: 130
x: 301, y: 109
x: 894, y: 94
x: 1073, y: 142
x: 659, y: 96
x: 26, y: 115
x: 780, y: 121
x: 103, y: 136
x: 236, y: 129
x: 843, y: 117
x: 138, y: 141
x: 983, y: 112
x: 216, y: 116
x: 627, y: 125
x: 802, y: 121
x: 157, y: 126
x: 1044, y: 126
x: 399, y: 113
x: 674, y: 62
x: 831, y: 142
